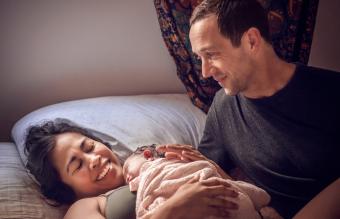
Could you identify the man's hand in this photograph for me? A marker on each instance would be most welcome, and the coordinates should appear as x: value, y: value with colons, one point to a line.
x: 187, y: 153
x: 181, y: 152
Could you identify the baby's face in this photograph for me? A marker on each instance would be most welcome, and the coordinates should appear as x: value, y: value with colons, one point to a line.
x: 132, y: 166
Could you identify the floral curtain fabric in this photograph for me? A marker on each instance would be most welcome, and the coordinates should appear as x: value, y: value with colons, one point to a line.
x: 291, y: 26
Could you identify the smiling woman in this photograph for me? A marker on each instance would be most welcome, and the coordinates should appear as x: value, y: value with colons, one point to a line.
x: 89, y: 167
x: 70, y: 163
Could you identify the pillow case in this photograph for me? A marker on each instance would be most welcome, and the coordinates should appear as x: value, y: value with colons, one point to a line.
x: 19, y: 195
x: 125, y: 121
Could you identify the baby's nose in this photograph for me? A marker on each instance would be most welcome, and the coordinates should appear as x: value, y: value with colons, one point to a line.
x: 128, y: 178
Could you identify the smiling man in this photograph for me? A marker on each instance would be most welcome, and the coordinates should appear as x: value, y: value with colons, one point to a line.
x: 276, y: 121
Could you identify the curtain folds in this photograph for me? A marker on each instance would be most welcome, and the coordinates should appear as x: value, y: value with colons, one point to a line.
x: 291, y: 26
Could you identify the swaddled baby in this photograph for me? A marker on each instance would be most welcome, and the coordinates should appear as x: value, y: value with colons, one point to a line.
x: 156, y: 178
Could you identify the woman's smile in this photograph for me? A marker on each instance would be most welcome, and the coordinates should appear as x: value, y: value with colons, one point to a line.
x: 105, y: 170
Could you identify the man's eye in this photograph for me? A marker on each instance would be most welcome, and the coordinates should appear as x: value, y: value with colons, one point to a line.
x: 209, y: 55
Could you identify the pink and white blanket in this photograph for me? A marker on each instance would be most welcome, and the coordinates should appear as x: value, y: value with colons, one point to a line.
x: 160, y: 179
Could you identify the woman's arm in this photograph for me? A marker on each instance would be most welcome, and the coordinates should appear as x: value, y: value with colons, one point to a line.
x: 196, y: 200
x: 87, y: 208
x: 207, y: 197
x: 325, y: 205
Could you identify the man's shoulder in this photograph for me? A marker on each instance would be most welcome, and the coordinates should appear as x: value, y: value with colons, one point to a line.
x: 318, y: 72
x: 315, y: 68
x: 315, y: 78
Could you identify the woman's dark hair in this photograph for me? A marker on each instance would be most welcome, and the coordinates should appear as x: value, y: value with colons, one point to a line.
x: 40, y: 141
x: 234, y: 17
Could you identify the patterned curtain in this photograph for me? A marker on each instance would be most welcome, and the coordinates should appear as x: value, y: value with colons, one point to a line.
x: 291, y: 26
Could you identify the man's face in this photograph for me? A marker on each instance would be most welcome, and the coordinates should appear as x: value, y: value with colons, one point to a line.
x: 87, y: 166
x: 230, y: 66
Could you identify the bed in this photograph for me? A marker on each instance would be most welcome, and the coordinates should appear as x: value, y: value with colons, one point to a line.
x: 125, y: 121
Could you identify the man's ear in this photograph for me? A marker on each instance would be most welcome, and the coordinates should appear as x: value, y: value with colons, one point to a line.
x: 252, y: 39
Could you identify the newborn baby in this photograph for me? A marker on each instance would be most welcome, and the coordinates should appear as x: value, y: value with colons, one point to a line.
x: 156, y: 178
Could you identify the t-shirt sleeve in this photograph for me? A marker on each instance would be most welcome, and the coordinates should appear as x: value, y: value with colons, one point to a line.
x: 211, y: 144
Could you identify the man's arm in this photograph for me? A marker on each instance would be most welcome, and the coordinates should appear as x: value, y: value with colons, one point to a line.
x: 324, y: 205
x: 87, y: 208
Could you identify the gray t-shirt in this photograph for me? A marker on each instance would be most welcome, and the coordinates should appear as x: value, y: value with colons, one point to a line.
x: 287, y: 144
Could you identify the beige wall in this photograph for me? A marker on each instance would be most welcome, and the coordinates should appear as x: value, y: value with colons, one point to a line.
x: 53, y: 51
x: 326, y: 42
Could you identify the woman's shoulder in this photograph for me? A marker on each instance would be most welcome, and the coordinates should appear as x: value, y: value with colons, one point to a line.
x: 93, y: 207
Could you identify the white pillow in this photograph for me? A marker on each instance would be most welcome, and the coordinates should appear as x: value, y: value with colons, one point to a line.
x: 19, y: 195
x: 125, y: 121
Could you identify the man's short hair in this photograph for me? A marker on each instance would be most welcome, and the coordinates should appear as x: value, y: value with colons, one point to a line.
x: 234, y: 17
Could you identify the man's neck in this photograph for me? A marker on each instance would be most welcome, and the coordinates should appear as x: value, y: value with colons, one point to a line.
x: 271, y: 75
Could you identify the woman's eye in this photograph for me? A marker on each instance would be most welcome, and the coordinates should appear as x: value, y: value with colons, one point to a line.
x: 90, y: 147
x: 80, y: 165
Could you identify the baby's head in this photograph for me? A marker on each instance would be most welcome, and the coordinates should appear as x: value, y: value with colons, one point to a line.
x: 134, y: 162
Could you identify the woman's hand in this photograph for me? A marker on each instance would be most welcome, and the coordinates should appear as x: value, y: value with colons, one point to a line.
x: 187, y: 153
x: 195, y: 200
